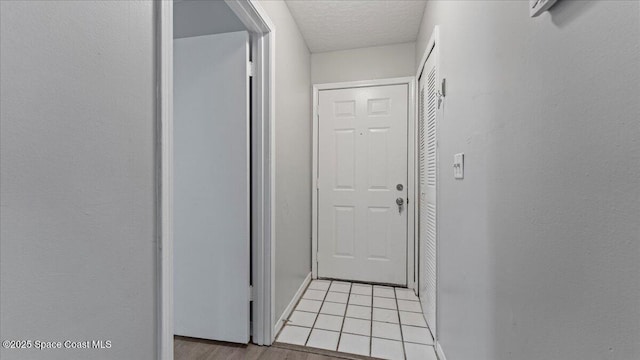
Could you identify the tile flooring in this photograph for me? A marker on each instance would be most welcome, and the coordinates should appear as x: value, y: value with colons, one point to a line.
x: 377, y: 321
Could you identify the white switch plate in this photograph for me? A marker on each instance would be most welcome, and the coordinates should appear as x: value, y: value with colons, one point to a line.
x: 458, y: 166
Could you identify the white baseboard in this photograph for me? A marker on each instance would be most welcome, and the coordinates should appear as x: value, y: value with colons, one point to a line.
x: 287, y: 312
x: 440, y: 352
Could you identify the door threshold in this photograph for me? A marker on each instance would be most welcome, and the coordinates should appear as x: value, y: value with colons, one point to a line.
x: 208, y: 341
x: 364, y: 282
x: 323, y: 352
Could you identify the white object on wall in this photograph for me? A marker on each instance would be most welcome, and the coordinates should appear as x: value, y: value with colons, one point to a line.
x: 537, y: 7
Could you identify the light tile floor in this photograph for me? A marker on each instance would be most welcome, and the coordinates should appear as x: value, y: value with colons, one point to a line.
x: 377, y: 321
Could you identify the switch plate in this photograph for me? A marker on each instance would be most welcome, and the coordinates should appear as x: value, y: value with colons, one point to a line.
x: 458, y: 166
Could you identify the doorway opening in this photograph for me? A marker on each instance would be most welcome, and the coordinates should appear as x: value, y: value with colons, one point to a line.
x: 362, y: 298
x: 215, y: 131
x: 363, y: 199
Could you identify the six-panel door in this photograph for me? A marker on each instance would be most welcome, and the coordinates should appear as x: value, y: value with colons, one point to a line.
x: 362, y: 184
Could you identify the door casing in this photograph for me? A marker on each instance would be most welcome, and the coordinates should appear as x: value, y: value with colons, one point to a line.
x: 262, y: 35
x: 411, y: 168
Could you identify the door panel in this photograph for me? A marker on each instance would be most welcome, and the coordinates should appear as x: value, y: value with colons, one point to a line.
x: 362, y: 157
x: 345, y: 174
x: 211, y: 195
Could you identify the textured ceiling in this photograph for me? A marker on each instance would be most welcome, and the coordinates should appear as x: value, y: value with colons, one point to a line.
x: 329, y: 25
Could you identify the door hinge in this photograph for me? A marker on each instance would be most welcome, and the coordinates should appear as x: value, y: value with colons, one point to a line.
x: 318, y: 184
x: 251, y: 69
x: 250, y: 293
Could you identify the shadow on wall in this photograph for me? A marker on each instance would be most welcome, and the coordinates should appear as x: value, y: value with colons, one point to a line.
x: 564, y: 12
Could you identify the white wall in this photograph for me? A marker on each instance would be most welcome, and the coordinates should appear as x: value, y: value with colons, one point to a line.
x: 293, y: 155
x: 540, y: 243
x: 378, y: 62
x: 77, y: 177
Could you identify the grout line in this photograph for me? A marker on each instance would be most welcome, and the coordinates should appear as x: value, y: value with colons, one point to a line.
x: 417, y: 327
x: 306, y: 311
x: 317, y: 316
x: 417, y: 343
x: 396, y: 340
x: 344, y: 317
x: 333, y: 331
x: 404, y: 353
x: 356, y: 318
x: 407, y: 311
x: 337, y: 302
x: 377, y: 307
x: 371, y: 326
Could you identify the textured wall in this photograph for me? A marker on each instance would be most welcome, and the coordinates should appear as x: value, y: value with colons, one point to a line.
x: 77, y: 177
x: 293, y: 156
x: 370, y: 63
x: 540, y: 243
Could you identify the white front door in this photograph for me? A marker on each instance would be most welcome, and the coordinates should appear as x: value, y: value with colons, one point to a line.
x: 211, y: 193
x: 362, y: 184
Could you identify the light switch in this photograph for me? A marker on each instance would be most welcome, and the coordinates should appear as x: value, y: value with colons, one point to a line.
x: 458, y: 166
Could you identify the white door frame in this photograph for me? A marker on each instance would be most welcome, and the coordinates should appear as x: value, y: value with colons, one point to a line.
x: 411, y: 167
x: 262, y: 33
x: 434, y: 46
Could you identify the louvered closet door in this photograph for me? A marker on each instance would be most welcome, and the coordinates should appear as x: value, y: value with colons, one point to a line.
x: 427, y: 211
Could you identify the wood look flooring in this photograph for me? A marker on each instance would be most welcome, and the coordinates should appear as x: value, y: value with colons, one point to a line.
x: 197, y: 349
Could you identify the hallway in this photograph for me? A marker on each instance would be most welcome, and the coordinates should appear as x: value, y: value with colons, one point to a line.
x: 320, y: 180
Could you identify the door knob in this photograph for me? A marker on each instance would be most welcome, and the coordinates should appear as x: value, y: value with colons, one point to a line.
x: 399, y: 187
